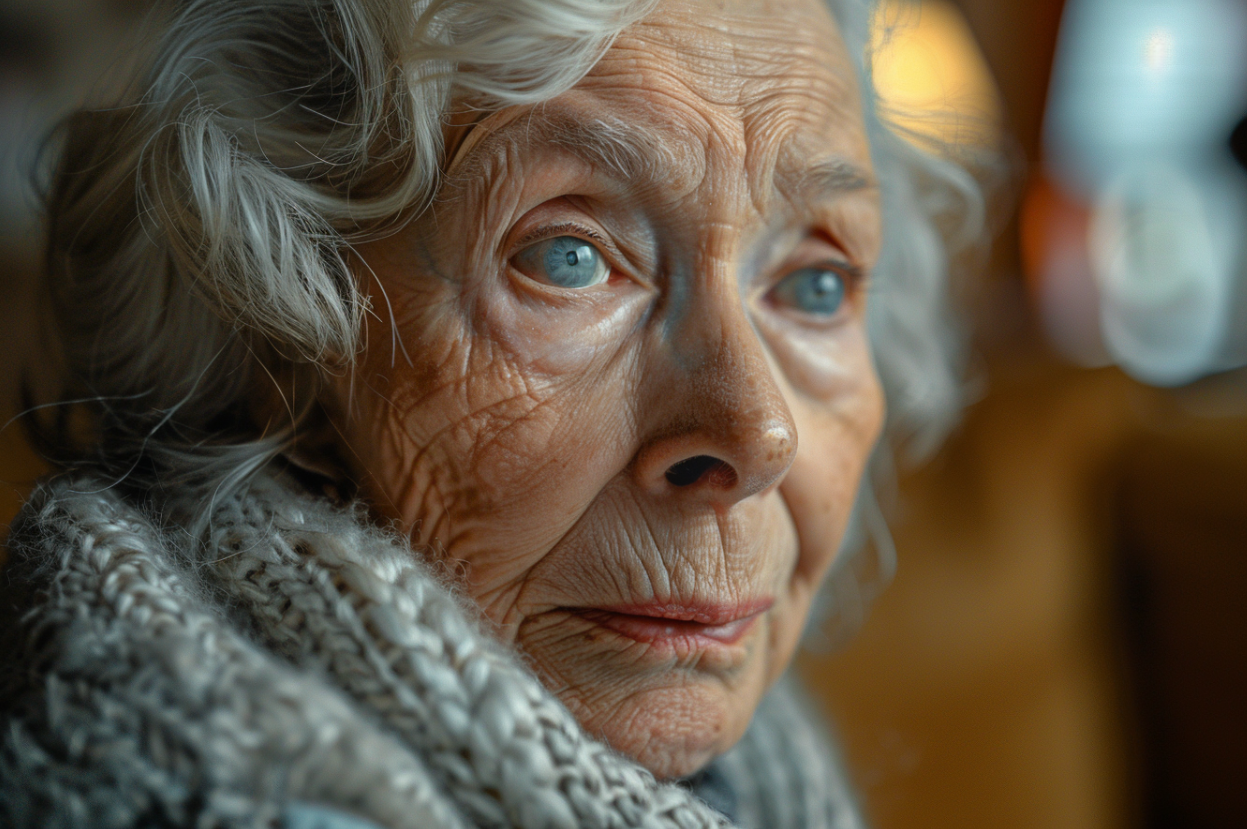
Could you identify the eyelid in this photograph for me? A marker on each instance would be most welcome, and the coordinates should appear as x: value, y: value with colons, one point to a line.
x: 560, y: 229
x: 819, y: 248
x: 855, y: 276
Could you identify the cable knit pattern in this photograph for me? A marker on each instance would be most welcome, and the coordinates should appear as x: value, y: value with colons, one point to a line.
x: 302, y: 656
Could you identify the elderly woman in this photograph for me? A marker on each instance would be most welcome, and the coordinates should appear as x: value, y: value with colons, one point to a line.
x: 469, y: 398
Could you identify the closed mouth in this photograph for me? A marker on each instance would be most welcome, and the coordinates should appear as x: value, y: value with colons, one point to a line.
x: 699, y: 626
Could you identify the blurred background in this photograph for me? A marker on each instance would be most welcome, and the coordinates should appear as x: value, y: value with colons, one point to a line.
x: 1065, y: 641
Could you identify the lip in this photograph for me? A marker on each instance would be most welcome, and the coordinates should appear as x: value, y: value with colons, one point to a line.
x: 699, y: 626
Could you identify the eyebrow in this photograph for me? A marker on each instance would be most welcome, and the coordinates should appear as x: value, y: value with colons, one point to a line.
x: 629, y: 152
x: 644, y: 156
x: 828, y: 177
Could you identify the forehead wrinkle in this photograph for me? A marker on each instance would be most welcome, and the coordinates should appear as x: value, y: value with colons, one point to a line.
x: 776, y: 169
x: 800, y: 153
x: 638, y: 154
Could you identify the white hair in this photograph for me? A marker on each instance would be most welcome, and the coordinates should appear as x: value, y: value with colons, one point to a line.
x: 199, y: 234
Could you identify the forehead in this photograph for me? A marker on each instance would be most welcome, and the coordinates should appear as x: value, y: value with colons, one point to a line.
x: 758, y: 77
x: 731, y: 53
x: 769, y: 87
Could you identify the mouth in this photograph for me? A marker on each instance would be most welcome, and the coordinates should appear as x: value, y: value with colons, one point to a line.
x: 668, y: 625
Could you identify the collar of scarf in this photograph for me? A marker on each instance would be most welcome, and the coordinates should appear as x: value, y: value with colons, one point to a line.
x: 303, y: 656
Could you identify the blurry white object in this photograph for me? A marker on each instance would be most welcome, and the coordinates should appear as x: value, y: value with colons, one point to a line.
x: 1165, y: 250
x: 1138, y: 79
x: 1144, y: 97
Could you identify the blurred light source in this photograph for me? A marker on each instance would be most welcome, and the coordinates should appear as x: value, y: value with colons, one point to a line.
x: 1053, y: 229
x: 930, y: 76
x: 1136, y: 79
x: 1144, y: 97
x: 1166, y: 255
x: 1158, y: 52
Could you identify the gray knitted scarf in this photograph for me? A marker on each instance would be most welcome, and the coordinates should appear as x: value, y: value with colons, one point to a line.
x: 301, y: 668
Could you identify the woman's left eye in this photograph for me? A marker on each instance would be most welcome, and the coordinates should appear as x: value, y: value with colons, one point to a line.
x: 817, y: 291
x: 565, y: 261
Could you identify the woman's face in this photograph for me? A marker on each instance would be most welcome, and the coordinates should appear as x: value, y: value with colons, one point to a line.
x: 617, y: 378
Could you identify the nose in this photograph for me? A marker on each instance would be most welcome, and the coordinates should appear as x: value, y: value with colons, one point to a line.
x: 716, y: 427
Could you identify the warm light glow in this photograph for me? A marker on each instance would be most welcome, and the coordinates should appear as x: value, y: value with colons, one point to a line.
x: 930, y: 75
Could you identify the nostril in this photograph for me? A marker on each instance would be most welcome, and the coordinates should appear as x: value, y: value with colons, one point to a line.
x: 691, y: 470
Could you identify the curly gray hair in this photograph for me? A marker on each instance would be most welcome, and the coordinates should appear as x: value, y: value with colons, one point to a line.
x: 201, y: 232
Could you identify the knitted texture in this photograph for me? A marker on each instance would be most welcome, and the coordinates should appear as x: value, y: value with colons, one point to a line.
x: 301, y: 655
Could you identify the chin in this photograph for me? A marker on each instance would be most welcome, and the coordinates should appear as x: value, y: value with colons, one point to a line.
x: 671, y: 702
x: 678, y: 729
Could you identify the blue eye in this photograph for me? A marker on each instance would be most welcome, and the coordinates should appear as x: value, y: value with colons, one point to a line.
x: 565, y: 261
x: 817, y: 291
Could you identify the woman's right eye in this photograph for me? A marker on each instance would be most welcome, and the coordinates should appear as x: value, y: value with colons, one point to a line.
x: 564, y: 261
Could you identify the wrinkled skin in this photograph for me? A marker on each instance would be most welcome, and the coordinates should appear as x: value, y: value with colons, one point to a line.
x: 524, y: 431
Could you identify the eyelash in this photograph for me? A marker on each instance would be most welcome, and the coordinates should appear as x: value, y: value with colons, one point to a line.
x: 854, y: 276
x: 563, y: 229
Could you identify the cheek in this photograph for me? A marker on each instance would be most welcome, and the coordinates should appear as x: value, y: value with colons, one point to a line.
x: 836, y: 438
x: 558, y: 340
x: 832, y: 369
x: 493, y: 430
x: 836, y: 400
